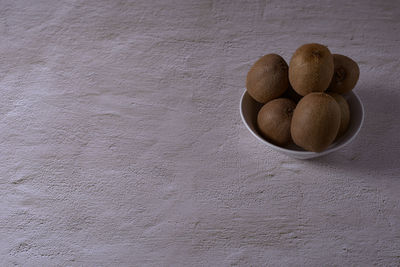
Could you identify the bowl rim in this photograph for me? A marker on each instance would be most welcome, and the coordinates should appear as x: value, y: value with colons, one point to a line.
x: 304, y: 153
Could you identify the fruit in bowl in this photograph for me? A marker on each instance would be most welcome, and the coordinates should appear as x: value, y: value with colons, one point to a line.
x: 303, y: 107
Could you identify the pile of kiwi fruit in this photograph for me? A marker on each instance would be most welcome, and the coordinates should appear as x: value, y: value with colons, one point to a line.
x: 303, y: 102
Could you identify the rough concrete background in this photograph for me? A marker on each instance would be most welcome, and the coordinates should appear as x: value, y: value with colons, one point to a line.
x: 121, y: 141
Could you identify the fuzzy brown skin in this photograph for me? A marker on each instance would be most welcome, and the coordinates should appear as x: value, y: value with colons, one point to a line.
x: 267, y: 78
x: 344, y: 112
x: 274, y: 120
x: 315, y: 122
x: 311, y: 69
x: 345, y: 76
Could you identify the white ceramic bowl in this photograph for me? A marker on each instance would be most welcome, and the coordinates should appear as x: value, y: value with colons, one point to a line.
x: 249, y: 109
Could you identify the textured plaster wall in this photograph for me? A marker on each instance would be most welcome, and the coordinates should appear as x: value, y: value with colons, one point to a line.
x: 121, y: 142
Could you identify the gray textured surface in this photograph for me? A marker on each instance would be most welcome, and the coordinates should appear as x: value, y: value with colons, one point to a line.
x: 121, y: 141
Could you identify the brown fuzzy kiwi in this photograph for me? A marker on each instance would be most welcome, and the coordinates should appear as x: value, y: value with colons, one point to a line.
x: 267, y: 78
x: 344, y: 112
x: 274, y: 120
x: 291, y: 94
x: 345, y: 76
x: 311, y: 69
x: 315, y: 122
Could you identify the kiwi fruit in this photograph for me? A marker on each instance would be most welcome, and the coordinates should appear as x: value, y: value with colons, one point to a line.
x: 268, y: 78
x: 311, y: 69
x: 291, y: 94
x: 346, y: 74
x: 344, y: 112
x: 315, y: 122
x: 274, y: 120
